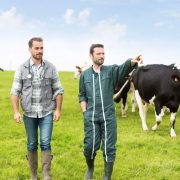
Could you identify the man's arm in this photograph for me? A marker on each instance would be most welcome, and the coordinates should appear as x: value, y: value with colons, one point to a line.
x: 120, y: 72
x: 57, y: 112
x: 15, y: 104
x: 15, y: 93
x: 57, y: 94
x: 137, y: 59
x: 83, y: 105
x: 82, y: 94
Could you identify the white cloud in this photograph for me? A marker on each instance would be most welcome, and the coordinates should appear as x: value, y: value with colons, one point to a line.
x: 175, y: 14
x: 69, y: 16
x: 83, y: 15
x: 171, y: 12
x: 109, y: 30
x: 107, y: 2
x: 10, y: 18
x: 159, y: 24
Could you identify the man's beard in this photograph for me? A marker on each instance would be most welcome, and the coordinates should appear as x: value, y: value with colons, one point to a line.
x: 38, y: 56
x: 99, y: 61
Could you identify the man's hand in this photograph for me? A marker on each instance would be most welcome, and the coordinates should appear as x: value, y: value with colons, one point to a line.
x: 57, y: 115
x: 17, y: 117
x: 137, y: 59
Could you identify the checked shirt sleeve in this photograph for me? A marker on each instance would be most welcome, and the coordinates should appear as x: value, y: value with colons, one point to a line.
x: 56, y: 84
x: 17, y: 83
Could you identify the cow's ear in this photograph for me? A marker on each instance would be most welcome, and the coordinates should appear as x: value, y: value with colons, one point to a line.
x: 175, y: 78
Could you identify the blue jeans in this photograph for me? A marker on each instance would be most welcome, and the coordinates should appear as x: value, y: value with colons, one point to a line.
x: 45, y: 125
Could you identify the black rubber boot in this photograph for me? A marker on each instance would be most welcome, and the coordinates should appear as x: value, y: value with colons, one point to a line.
x: 90, y: 169
x: 108, y: 169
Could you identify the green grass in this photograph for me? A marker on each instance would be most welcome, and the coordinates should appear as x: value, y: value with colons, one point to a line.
x: 140, y: 156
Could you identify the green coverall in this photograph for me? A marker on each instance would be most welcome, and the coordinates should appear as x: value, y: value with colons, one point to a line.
x: 97, y: 89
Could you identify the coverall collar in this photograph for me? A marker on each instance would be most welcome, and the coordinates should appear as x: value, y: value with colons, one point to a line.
x: 101, y: 68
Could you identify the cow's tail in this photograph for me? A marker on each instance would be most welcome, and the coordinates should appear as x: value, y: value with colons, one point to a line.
x: 116, y: 96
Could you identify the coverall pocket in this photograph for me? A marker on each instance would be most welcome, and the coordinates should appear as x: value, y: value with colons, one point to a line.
x: 84, y: 113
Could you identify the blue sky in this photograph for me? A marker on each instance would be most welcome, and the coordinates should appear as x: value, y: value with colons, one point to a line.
x: 126, y: 28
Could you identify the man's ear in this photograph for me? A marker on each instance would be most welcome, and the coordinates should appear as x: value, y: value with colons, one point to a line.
x: 90, y: 55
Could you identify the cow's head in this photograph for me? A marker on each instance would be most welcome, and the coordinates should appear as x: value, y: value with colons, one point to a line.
x: 175, y: 77
x: 80, y: 69
x: 77, y: 72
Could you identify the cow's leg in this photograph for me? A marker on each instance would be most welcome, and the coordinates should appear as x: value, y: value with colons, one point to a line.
x: 124, y: 106
x: 172, y: 122
x: 133, y: 98
x: 141, y: 110
x: 158, y: 114
x: 164, y: 110
x: 145, y: 109
x: 133, y: 101
x: 158, y: 122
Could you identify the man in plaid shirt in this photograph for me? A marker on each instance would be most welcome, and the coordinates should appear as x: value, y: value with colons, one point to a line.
x: 37, y: 86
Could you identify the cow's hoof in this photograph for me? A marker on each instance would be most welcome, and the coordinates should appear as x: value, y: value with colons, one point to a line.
x: 154, y: 128
x: 172, y: 133
x: 145, y: 128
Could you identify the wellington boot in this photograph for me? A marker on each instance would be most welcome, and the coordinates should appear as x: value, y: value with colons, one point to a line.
x: 108, y: 169
x: 32, y: 157
x: 46, y: 165
x: 90, y: 169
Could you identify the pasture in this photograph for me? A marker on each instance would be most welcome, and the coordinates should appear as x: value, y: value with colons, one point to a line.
x: 140, y: 156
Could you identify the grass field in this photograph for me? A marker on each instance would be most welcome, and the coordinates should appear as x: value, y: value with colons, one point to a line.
x: 140, y: 156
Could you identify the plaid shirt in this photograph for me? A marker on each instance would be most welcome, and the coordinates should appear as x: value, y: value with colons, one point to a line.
x: 38, y: 72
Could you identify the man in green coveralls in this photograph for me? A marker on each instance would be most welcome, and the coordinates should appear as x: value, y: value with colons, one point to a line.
x: 96, y: 89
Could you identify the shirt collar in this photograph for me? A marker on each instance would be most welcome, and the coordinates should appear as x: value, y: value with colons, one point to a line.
x: 101, y: 68
x: 32, y: 63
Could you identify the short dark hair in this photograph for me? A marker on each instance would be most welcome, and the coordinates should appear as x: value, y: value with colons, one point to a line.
x: 39, y: 39
x: 91, y: 50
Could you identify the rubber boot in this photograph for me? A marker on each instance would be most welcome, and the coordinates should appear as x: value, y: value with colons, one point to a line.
x: 46, y: 165
x: 90, y: 169
x: 32, y: 157
x: 108, y: 169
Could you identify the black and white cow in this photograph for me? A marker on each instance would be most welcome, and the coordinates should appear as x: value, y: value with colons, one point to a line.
x: 122, y: 97
x: 162, y: 83
x: 121, y: 94
x: 1, y: 69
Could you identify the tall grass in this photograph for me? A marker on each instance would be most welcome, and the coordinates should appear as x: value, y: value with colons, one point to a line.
x: 151, y: 155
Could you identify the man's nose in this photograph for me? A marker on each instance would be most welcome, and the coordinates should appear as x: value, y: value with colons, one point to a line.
x: 40, y: 50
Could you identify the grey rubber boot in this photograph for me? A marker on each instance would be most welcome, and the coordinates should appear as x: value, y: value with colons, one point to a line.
x: 46, y: 164
x: 90, y: 169
x: 108, y: 169
x: 32, y: 157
